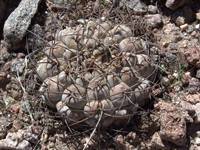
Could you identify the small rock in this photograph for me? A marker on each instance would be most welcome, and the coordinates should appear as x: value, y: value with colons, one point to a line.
x: 174, y: 4
x: 165, y: 81
x: 137, y: 6
x: 180, y: 21
x: 18, y: 22
x: 152, y: 9
x: 24, y: 145
x: 198, y: 73
x: 153, y: 20
x: 187, y: 111
x: 44, y: 147
x: 197, y: 26
x: 17, y: 125
x: 194, y: 33
x: 6, y: 66
x: 167, y: 31
x: 197, y: 141
x: 198, y: 134
x: 194, y: 86
x: 194, y: 147
x: 186, y: 77
x: 8, y: 100
x: 132, y: 137
x: 178, y: 17
x: 15, y: 108
x: 187, y: 106
x: 197, y: 118
x: 174, y: 46
x: 21, y: 55
x: 120, y: 138
x: 178, y: 38
x: 4, y: 55
x: 193, y: 56
x: 184, y: 43
x: 165, y: 43
x: 157, y: 142
x: 49, y: 37
x: 173, y: 125
x: 34, y: 37
x: 37, y: 129
x: 193, y: 98
x: 3, y: 121
x: 31, y: 137
x: 184, y: 27
x: 198, y: 16
x: 15, y: 141
x: 18, y: 64
x: 16, y: 95
x: 119, y: 141
x: 10, y: 142
x: 157, y: 91
x: 181, y: 58
x: 3, y: 127
x: 3, y: 132
x: 190, y: 29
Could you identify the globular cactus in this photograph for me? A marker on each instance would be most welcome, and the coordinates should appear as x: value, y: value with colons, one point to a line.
x: 96, y: 70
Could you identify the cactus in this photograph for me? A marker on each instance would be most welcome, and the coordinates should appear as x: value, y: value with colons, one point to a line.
x: 96, y: 70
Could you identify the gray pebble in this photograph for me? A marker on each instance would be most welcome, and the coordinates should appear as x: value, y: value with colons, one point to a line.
x: 152, y: 9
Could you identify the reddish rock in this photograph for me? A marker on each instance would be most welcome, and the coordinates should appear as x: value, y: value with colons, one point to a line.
x: 158, y: 143
x: 193, y: 56
x: 173, y: 125
x: 21, y: 55
x: 6, y: 67
x: 173, y: 96
x: 187, y: 111
x: 44, y: 147
x: 15, y: 108
x: 194, y: 33
x: 193, y: 98
x: 186, y: 78
x: 187, y: 106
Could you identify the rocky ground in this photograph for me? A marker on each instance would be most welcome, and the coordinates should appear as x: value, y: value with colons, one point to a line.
x: 169, y: 121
